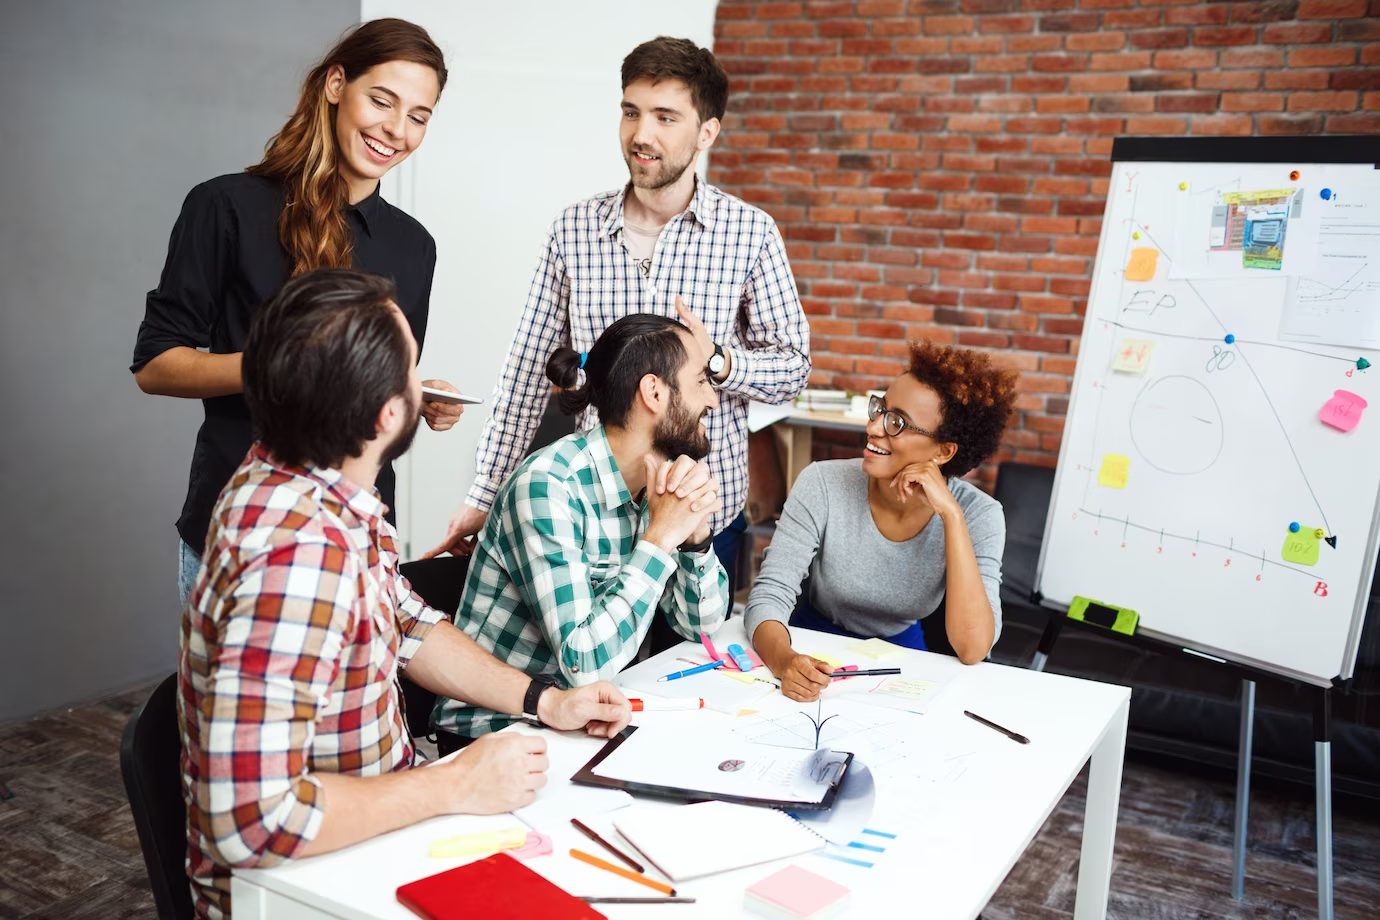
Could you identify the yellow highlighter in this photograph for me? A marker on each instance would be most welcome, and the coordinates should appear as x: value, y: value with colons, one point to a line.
x: 486, y: 842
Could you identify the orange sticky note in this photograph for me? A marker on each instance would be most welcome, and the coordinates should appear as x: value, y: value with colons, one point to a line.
x: 1142, y: 264
x: 1343, y: 410
x: 1133, y: 356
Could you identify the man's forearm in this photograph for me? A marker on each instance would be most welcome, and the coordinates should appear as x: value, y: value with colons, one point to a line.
x: 356, y: 808
x: 452, y: 664
x: 190, y: 374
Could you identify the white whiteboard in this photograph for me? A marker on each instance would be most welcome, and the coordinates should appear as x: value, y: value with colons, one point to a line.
x: 1223, y: 444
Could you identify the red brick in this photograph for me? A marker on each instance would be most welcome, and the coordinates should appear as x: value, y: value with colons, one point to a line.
x: 1040, y: 343
x: 1331, y: 9
x: 1214, y: 36
x: 1359, y: 30
x: 1185, y: 60
x: 1131, y: 19
x: 1062, y: 104
x: 1006, y: 24
x: 1136, y: 60
x: 1212, y: 15
x: 1297, y: 33
x: 1370, y: 54
x: 1069, y: 22
x: 1370, y: 101
x: 1003, y: 262
x: 1018, y: 282
x: 1353, y: 124
x: 1155, y: 125
x: 1289, y: 124
x: 950, y: 316
x: 1252, y: 102
x: 1187, y: 102
x: 1261, y: 57
x: 1323, y: 102
x: 1035, y: 43
x: 1356, y: 79
x: 1229, y: 79
x: 1296, y: 79
x: 1331, y: 56
x: 1095, y: 41
x: 1123, y: 103
x: 1160, y: 38
x: 1222, y: 124
x: 1038, y: 84
x: 1270, y: 11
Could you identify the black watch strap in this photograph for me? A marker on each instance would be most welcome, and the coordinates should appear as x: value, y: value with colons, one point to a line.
x: 535, y: 689
x: 697, y: 547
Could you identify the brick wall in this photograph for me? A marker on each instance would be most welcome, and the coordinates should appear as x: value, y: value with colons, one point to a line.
x: 938, y: 167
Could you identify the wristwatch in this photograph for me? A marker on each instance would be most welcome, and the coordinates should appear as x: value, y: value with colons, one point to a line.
x: 539, y: 685
x: 717, y: 361
x: 697, y: 547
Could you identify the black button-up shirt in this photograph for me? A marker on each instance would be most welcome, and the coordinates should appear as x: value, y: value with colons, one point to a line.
x: 224, y: 260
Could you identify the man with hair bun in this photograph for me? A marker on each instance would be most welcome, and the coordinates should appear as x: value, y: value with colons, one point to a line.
x: 599, y: 534
x: 666, y: 244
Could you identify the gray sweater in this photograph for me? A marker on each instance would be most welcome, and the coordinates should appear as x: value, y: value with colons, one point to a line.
x: 860, y: 580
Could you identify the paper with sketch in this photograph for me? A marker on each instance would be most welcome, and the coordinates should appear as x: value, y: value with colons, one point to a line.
x: 712, y: 760
x: 1230, y: 230
x: 904, y: 692
x: 1334, y: 299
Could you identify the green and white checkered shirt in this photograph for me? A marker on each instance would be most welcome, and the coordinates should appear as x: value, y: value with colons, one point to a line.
x: 560, y: 583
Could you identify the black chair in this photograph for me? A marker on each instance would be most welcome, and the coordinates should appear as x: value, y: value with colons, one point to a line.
x: 150, y: 761
x: 441, y: 583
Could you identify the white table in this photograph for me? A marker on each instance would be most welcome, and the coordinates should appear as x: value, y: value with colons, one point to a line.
x: 954, y: 842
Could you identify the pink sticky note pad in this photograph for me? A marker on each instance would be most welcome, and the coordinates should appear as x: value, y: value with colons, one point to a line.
x: 1342, y: 411
x: 709, y: 647
x: 798, y: 892
x: 728, y: 662
x: 847, y: 667
x: 536, y: 845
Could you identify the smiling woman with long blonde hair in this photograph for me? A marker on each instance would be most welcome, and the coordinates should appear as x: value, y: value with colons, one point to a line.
x: 313, y: 202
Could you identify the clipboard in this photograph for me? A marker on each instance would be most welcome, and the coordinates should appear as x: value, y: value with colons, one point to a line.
x: 587, y: 777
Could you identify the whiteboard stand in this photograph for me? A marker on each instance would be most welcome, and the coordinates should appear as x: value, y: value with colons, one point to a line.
x: 1322, y: 746
x: 1243, y: 789
x: 1322, y: 787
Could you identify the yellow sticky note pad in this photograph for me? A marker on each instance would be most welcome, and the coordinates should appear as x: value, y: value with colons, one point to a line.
x: 907, y: 688
x: 1115, y: 471
x: 1141, y: 266
x: 1301, y: 547
x: 1133, y: 356
x: 876, y: 649
x: 485, y: 842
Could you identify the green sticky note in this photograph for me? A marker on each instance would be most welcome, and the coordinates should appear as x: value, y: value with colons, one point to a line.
x: 1301, y: 547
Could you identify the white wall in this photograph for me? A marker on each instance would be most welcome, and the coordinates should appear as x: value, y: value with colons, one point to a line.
x: 116, y: 109
x: 527, y: 125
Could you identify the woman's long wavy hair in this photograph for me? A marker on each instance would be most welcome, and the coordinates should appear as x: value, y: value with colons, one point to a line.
x: 304, y: 156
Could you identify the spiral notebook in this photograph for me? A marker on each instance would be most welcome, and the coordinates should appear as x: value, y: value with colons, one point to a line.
x: 709, y: 837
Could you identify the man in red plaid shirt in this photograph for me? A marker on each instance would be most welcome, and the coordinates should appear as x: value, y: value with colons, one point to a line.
x: 293, y: 736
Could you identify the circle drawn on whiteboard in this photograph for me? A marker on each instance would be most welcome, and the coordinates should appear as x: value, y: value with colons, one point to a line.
x: 1176, y: 425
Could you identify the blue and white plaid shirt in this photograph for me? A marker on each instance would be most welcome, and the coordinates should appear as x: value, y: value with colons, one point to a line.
x: 724, y: 257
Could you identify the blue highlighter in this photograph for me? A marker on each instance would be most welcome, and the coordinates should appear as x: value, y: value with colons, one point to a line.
x: 740, y: 657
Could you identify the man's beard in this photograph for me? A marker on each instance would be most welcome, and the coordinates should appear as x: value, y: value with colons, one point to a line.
x: 403, y: 441
x: 663, y: 173
x: 678, y: 434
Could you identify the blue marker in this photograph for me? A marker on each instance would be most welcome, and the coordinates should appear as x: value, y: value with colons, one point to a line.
x: 1326, y: 194
x: 688, y: 671
x: 1294, y: 527
x: 1230, y: 339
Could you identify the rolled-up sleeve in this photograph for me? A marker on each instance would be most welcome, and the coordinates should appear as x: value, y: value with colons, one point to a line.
x: 288, y: 618
x: 774, y: 365
x: 415, y: 620
x: 182, y: 310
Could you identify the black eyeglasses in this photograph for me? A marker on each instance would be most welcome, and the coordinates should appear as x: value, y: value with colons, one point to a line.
x: 893, y: 423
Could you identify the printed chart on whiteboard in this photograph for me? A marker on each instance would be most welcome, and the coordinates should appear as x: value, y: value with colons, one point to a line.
x: 1221, y: 463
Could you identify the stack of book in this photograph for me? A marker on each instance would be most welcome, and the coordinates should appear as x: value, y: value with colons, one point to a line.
x: 824, y: 400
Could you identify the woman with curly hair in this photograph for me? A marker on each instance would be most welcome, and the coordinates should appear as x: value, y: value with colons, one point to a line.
x: 312, y: 202
x: 895, y: 537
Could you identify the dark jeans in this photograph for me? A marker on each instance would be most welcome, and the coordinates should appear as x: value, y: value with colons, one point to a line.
x: 726, y: 545
x: 928, y: 634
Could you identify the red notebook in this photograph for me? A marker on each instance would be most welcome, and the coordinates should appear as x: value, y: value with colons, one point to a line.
x: 496, y: 888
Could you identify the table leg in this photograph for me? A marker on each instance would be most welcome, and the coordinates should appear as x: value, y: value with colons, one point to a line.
x: 1099, y: 820
x: 1322, y: 786
x: 248, y: 900
x: 1243, y: 790
x: 795, y: 444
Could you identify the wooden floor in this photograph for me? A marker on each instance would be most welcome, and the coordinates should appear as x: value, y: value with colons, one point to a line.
x: 68, y: 850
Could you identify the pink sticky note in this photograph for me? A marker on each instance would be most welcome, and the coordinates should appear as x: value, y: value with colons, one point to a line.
x: 709, y: 647
x: 536, y: 845
x: 728, y: 662
x: 1343, y: 410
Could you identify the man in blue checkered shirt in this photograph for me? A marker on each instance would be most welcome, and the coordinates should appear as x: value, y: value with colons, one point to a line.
x: 667, y: 244
x: 599, y: 535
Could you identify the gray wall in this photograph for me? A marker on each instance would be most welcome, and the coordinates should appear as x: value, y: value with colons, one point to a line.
x: 115, y: 110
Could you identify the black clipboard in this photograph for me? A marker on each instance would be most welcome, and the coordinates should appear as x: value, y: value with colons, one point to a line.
x: 587, y: 777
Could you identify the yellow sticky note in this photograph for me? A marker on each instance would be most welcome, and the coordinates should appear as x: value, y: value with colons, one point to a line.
x: 1116, y: 469
x: 876, y: 649
x: 1301, y: 547
x: 907, y: 688
x: 831, y: 662
x: 1141, y: 267
x: 1133, y: 355
x: 485, y: 842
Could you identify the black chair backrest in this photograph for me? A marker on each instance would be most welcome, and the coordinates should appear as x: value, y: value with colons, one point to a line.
x: 440, y: 582
x: 1024, y: 491
x: 150, y: 761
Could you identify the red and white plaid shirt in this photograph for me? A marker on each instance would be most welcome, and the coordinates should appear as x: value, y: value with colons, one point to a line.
x: 291, y: 643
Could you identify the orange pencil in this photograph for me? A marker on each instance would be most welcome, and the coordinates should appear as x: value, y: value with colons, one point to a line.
x: 619, y: 870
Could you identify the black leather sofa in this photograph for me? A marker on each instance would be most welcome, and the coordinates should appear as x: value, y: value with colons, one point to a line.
x: 1182, y: 708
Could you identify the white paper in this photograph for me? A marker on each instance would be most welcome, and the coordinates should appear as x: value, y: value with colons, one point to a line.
x: 714, y: 760
x: 1202, y: 247
x: 763, y: 415
x: 1335, y: 298
x: 555, y: 808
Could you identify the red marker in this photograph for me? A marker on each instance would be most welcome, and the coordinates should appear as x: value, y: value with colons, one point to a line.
x: 655, y: 704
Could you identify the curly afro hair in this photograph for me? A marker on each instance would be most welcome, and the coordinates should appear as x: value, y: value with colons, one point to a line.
x: 975, y: 397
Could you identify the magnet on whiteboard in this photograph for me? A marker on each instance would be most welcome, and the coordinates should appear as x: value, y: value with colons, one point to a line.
x: 1294, y: 175
x: 1326, y: 194
x: 1362, y: 364
x: 1230, y: 339
x: 1136, y: 235
x: 1183, y: 186
x: 1294, y: 527
x: 1319, y: 533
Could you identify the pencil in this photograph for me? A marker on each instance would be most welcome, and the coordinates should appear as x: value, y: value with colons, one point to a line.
x: 589, y: 900
x: 589, y: 832
x: 619, y: 870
